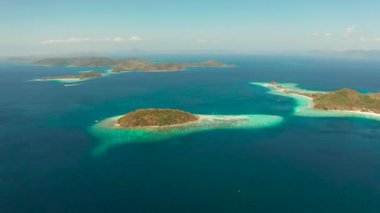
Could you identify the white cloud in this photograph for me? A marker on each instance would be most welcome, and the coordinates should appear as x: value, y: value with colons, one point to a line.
x: 349, y: 31
x: 135, y: 38
x: 87, y: 40
x: 202, y: 41
x: 363, y: 39
x: 316, y: 34
x: 377, y: 39
x: 328, y: 34
x: 118, y: 39
x: 65, y: 41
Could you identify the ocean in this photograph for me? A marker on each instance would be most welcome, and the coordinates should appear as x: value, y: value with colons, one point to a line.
x: 306, y: 164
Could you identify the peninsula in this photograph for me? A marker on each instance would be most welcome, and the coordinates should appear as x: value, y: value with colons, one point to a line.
x: 120, y: 65
x: 343, y: 99
x: 151, y: 125
x: 342, y: 102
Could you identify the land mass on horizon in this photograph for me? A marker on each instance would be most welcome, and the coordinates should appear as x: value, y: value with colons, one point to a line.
x: 117, y: 66
x: 130, y: 64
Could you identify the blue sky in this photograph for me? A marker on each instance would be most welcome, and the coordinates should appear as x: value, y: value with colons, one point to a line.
x: 68, y: 26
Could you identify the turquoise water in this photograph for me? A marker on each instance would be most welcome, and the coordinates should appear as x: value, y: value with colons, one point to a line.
x: 111, y: 136
x: 304, y: 105
x: 304, y: 164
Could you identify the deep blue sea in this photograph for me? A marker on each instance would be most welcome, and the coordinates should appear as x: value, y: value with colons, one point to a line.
x: 304, y: 165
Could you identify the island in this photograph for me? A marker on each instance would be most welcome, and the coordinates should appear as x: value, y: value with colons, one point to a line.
x: 115, y: 66
x: 129, y: 64
x: 76, y: 61
x: 151, y: 118
x: 152, y: 125
x: 343, y: 102
x: 145, y: 66
x: 72, y: 78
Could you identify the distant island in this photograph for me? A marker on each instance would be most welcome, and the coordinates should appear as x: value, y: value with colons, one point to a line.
x: 120, y: 65
x: 72, y: 78
x: 348, y: 54
x: 342, y: 102
x: 150, y: 125
x: 149, y: 118
x: 76, y: 61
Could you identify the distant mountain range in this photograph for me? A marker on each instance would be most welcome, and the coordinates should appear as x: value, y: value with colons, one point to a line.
x: 105, y: 61
x: 129, y: 64
x: 349, y: 54
x: 79, y: 62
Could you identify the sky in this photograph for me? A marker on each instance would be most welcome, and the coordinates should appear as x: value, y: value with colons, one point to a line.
x: 194, y: 26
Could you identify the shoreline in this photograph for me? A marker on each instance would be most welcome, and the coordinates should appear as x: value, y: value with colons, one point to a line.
x: 118, y: 126
x: 111, y: 135
x: 311, y: 106
x: 110, y: 71
x: 201, y: 118
x: 62, y: 80
x: 306, y: 110
x: 148, y: 71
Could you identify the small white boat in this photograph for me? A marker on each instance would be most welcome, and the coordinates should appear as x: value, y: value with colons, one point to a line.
x: 70, y: 85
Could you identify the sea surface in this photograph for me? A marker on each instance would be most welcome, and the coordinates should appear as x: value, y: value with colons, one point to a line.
x: 306, y: 164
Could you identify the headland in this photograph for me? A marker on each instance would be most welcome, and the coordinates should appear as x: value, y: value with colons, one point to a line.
x: 340, y: 103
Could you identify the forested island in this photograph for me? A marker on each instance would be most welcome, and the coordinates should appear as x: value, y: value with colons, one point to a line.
x: 150, y: 125
x: 120, y: 65
x: 340, y: 100
x: 145, y: 118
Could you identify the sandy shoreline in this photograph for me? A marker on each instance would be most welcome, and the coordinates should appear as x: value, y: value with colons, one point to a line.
x: 310, y: 103
x: 113, y: 124
x: 109, y: 71
x: 311, y: 106
x: 62, y: 80
x: 111, y: 135
x: 116, y: 125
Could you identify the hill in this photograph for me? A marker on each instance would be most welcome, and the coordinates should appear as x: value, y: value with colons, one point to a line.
x: 155, y: 118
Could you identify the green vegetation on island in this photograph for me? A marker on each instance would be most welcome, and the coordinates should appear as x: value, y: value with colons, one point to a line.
x: 155, y: 118
x: 120, y: 65
x: 347, y: 99
x: 151, y: 125
x: 340, y: 100
x: 141, y: 65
